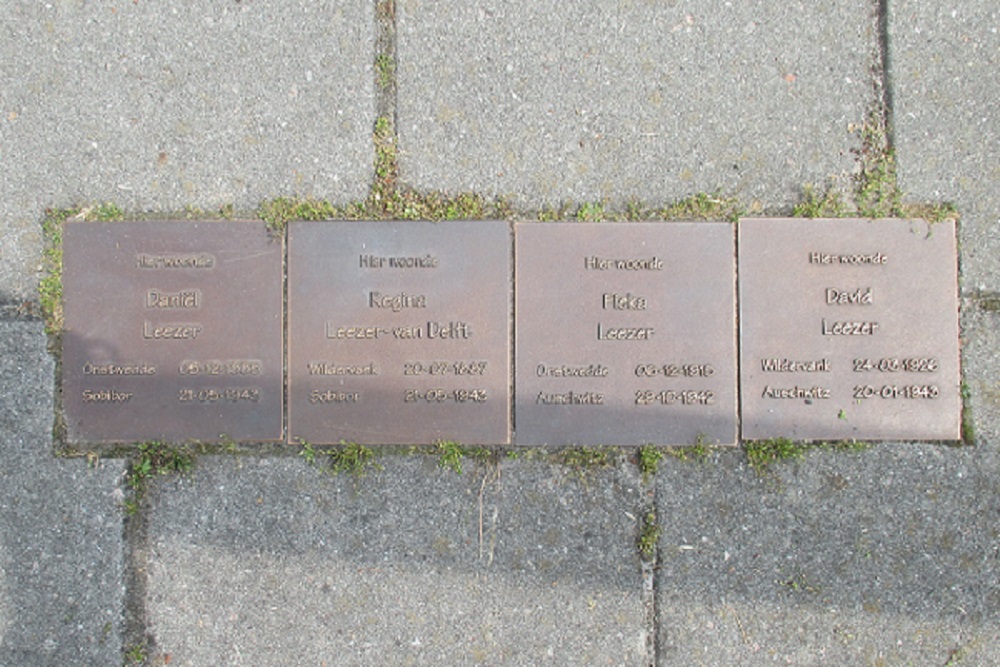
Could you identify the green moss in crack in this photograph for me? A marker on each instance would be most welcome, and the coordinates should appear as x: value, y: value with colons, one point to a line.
x: 591, y: 212
x: 932, y: 213
x: 585, y: 460
x: 968, y: 426
x: 649, y: 457
x: 385, y: 71
x: 278, y: 212
x: 634, y: 211
x: 815, y: 204
x: 353, y: 459
x: 156, y: 458
x: 704, y: 206
x: 134, y: 656
x: 762, y: 454
x: 649, y: 537
x: 106, y: 212
x: 450, y: 455
x: 876, y: 191
x: 50, y: 290
x: 699, y: 451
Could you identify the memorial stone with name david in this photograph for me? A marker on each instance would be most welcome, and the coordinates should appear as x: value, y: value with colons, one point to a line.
x: 849, y: 329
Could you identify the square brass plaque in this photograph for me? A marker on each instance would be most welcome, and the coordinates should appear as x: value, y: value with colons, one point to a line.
x: 173, y: 331
x: 849, y: 329
x: 625, y: 334
x: 399, y: 332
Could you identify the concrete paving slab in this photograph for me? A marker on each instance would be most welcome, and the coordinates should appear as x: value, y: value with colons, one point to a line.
x: 270, y: 562
x: 882, y: 557
x: 981, y: 369
x: 544, y: 102
x: 944, y: 59
x: 61, y: 551
x: 159, y: 107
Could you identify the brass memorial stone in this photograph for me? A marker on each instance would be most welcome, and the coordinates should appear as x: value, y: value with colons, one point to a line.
x: 849, y: 329
x: 173, y: 331
x: 625, y: 334
x: 399, y: 332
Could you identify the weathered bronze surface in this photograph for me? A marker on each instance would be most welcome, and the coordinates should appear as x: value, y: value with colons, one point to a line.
x: 399, y: 332
x: 625, y: 334
x: 173, y: 331
x: 849, y: 329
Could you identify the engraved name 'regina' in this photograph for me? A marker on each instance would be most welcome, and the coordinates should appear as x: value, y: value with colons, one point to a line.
x: 180, y: 331
x: 396, y: 302
x: 184, y: 299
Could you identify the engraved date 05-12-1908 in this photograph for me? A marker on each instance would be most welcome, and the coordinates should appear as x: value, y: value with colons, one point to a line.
x: 221, y: 367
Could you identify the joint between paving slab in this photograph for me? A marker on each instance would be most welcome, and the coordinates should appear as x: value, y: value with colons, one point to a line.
x: 136, y: 636
x: 885, y: 79
x: 650, y: 572
x: 385, y: 62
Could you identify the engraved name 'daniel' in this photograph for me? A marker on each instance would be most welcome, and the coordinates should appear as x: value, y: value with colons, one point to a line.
x: 160, y: 300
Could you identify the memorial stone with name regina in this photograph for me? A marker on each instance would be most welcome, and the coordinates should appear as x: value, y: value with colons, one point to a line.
x: 399, y: 332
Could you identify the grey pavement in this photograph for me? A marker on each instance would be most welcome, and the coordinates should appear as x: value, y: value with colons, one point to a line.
x: 889, y: 556
x: 882, y: 557
x: 947, y: 133
x: 270, y: 562
x: 61, y: 539
x: 545, y: 102
x: 161, y: 107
